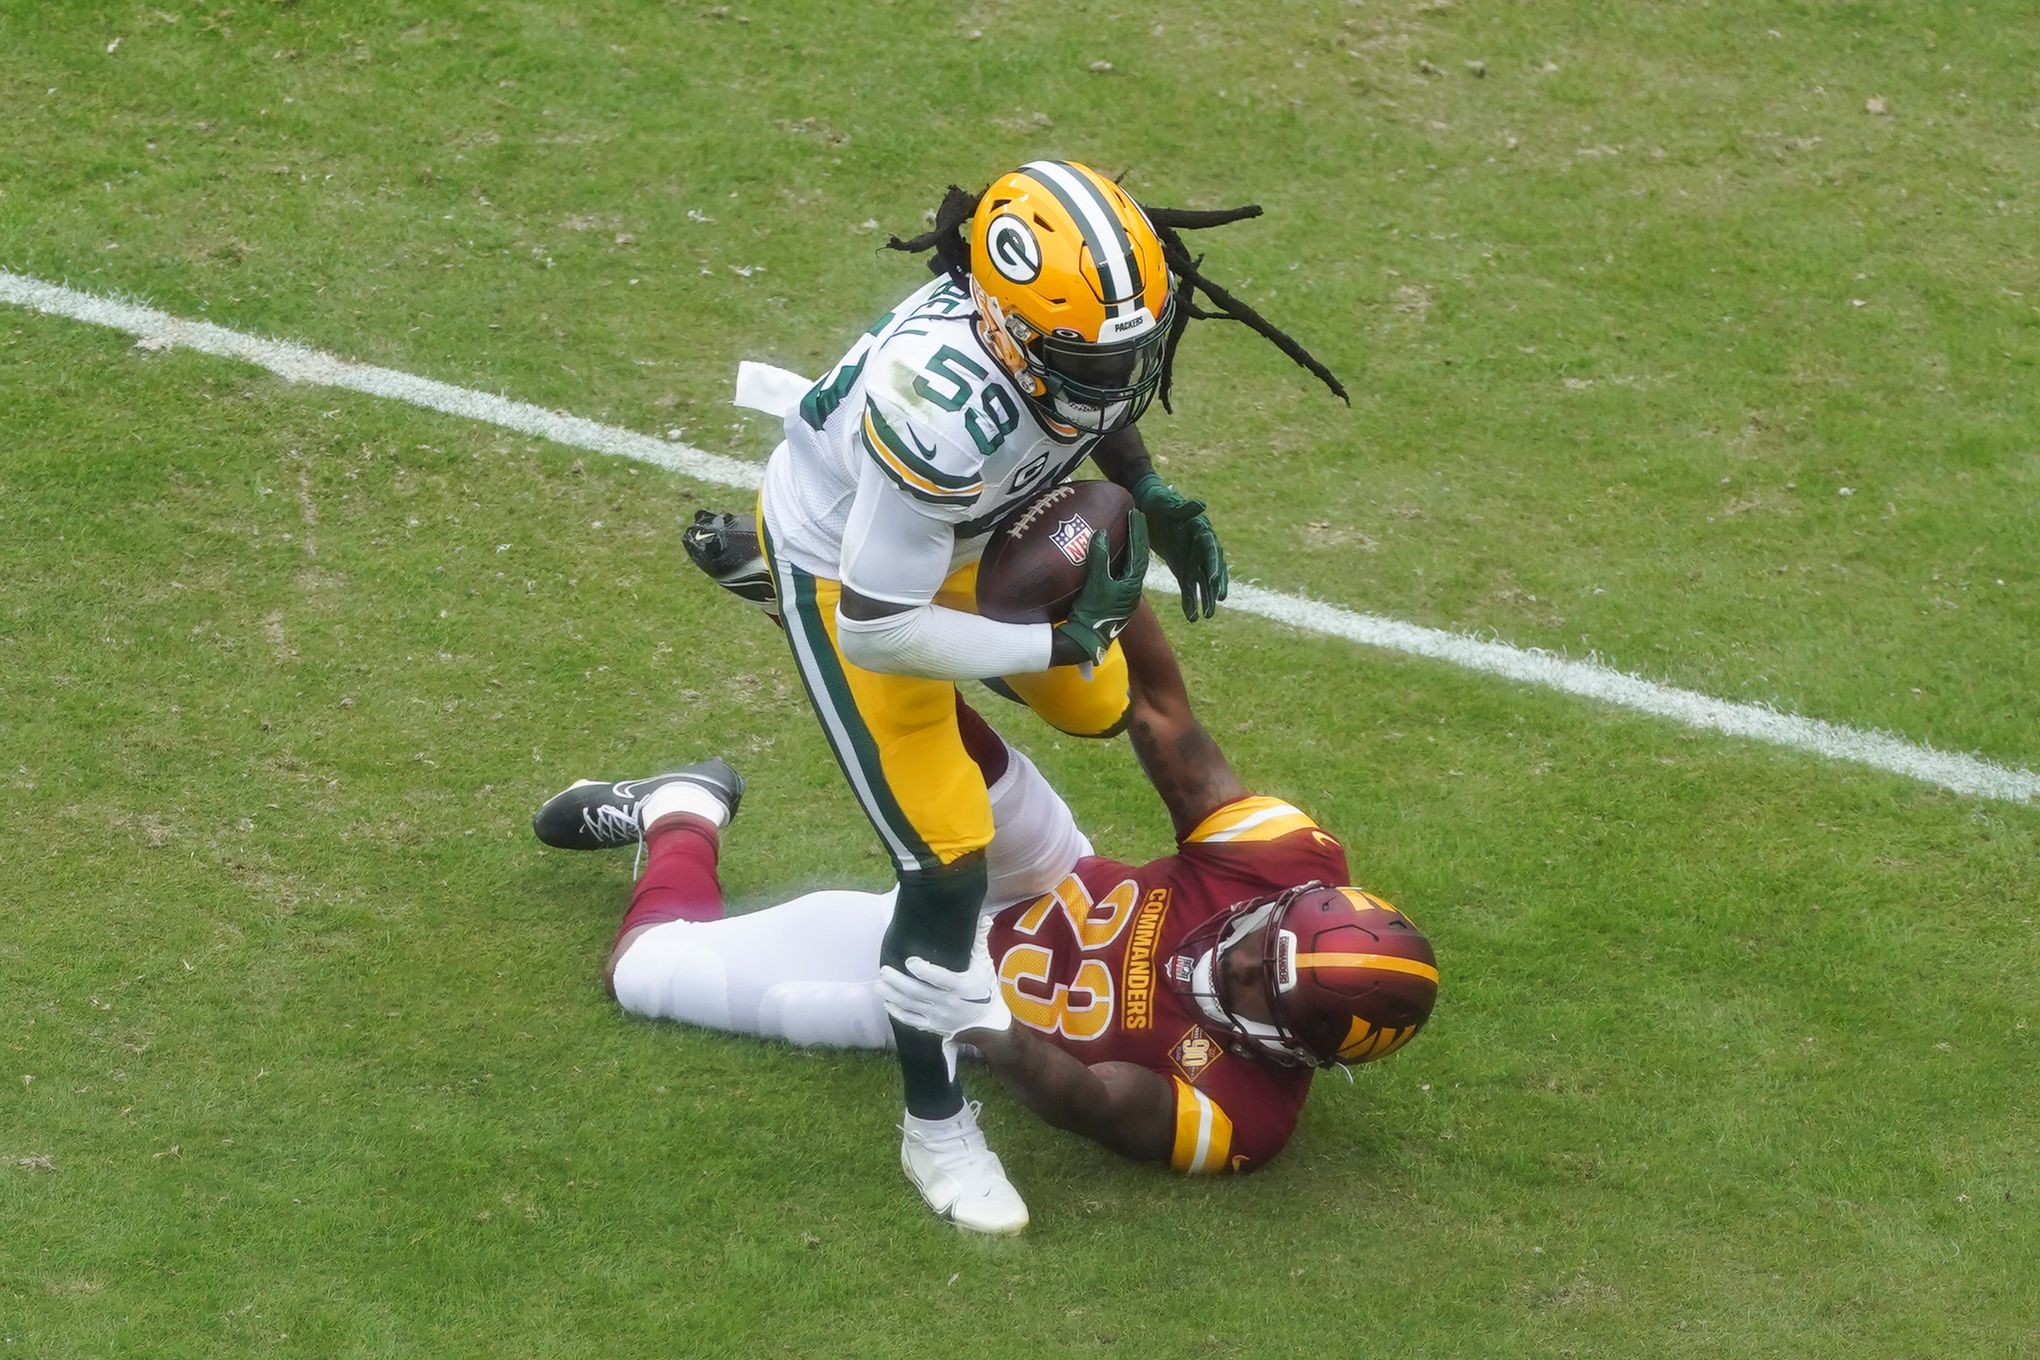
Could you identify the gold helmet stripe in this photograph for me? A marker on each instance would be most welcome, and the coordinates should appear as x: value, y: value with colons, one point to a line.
x: 1111, y: 250
x: 1393, y: 963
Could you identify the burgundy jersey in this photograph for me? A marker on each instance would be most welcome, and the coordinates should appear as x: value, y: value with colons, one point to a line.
x: 1090, y: 966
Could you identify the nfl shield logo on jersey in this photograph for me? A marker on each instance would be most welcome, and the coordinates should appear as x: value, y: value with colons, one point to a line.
x: 1073, y: 537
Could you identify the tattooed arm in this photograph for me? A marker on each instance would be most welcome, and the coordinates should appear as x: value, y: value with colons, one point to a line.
x: 1182, y: 761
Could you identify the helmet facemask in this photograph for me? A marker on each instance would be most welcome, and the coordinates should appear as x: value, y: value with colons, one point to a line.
x: 1276, y: 1038
x: 1099, y: 388
x: 1090, y: 387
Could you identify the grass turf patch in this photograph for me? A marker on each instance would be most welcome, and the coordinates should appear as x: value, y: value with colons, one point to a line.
x: 317, y: 1048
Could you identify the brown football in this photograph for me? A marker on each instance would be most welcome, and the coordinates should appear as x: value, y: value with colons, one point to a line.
x: 1034, y: 564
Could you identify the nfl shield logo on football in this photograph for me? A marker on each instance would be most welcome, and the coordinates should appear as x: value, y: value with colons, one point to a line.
x: 1073, y: 537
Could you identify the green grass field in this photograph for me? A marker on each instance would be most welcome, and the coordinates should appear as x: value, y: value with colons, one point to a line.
x: 306, y: 1053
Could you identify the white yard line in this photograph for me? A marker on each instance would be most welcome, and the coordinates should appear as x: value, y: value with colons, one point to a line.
x: 159, y: 330
x: 1878, y: 750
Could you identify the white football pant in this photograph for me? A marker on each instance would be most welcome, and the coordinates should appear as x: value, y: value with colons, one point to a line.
x: 806, y: 971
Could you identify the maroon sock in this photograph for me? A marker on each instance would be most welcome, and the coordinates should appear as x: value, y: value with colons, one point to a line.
x: 679, y: 882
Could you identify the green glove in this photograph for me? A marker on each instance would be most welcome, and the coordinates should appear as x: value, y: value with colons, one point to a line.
x: 1105, y: 603
x: 1187, y: 542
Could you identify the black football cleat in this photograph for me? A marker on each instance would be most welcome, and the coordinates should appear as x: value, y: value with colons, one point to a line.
x: 592, y: 815
x: 725, y: 547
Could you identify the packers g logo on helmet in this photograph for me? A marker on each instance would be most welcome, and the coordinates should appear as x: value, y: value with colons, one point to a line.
x: 1013, y: 250
x: 1073, y: 293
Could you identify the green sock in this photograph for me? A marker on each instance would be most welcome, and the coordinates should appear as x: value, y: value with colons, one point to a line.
x: 935, y: 919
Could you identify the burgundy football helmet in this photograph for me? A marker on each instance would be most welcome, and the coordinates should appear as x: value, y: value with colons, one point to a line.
x: 1346, y: 977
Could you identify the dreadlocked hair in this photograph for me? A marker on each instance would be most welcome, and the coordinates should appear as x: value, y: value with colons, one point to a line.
x: 947, y: 237
x: 949, y: 240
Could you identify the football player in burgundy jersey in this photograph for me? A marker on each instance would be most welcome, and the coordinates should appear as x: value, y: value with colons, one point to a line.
x: 1173, y: 1011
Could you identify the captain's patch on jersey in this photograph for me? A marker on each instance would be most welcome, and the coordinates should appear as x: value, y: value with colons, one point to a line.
x: 1028, y: 473
x: 1194, y: 1052
x: 1073, y: 538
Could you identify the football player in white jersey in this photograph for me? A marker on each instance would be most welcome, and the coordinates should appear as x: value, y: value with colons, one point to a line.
x: 1041, y: 342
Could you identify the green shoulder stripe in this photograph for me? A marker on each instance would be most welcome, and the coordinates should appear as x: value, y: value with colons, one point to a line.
x: 913, y: 487
x: 911, y: 465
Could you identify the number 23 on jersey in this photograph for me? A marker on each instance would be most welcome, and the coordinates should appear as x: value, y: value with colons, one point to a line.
x: 1082, y: 1007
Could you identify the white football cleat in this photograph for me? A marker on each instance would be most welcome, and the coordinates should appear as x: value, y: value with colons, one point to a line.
x: 959, y: 1176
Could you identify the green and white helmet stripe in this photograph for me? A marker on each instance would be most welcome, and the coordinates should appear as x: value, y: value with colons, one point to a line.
x: 1111, y: 250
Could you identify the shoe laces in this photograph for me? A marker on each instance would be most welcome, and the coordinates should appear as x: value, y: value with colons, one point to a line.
x: 609, y: 823
x: 614, y: 825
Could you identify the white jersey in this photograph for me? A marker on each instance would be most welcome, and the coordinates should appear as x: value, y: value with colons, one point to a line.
x: 920, y: 397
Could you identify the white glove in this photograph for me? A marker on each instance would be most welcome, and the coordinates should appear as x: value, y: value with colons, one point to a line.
x: 944, y: 1002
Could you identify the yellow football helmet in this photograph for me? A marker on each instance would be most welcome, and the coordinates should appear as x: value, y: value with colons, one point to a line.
x: 1072, y: 292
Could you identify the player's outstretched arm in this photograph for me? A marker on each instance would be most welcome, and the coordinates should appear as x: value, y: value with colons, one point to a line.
x: 1182, y: 531
x: 1126, y: 1108
x: 1184, y: 764
x: 1118, y: 1105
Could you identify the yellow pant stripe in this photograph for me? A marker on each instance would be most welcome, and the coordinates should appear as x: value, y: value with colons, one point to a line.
x: 894, y: 736
x: 919, y: 752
